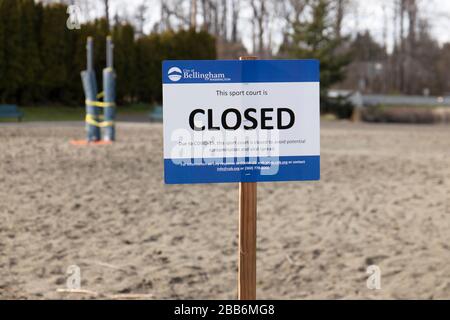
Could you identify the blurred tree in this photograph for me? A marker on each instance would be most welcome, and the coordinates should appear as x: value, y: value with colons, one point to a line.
x: 148, y: 75
x: 365, y: 48
x: 56, y: 50
x: 340, y: 8
x: 11, y: 69
x: 106, y: 3
x: 259, y: 11
x: 443, y: 67
x: 316, y: 39
x: 141, y: 17
x: 193, y: 15
x: 366, y: 72
x: 151, y: 50
x: 235, y: 7
x: 28, y: 55
x: 125, y: 63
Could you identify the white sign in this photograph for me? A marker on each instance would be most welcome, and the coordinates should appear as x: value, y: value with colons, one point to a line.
x: 241, y: 121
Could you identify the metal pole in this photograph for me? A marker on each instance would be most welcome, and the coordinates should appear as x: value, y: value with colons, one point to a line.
x: 90, y: 91
x: 109, y: 88
x: 90, y: 54
x: 109, y: 52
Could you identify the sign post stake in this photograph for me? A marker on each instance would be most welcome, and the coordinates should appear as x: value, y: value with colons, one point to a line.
x: 245, y: 102
x: 247, y: 236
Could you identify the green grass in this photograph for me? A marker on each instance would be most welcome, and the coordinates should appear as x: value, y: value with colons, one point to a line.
x: 135, y: 108
x: 59, y: 113
x: 64, y: 113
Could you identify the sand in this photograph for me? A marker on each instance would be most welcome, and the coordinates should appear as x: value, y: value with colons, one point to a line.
x: 384, y: 200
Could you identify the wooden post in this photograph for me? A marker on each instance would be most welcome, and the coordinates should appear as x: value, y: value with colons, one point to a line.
x: 247, y: 236
x: 356, y: 114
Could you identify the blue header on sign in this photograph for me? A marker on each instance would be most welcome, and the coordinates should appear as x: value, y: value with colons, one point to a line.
x: 236, y: 71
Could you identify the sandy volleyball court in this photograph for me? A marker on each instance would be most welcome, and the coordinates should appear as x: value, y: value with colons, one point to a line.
x: 384, y: 199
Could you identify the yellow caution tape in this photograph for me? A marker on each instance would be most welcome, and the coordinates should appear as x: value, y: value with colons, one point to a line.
x: 101, y: 95
x: 101, y: 124
x: 100, y: 104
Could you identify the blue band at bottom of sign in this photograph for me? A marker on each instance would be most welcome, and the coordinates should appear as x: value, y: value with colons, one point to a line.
x: 265, y: 169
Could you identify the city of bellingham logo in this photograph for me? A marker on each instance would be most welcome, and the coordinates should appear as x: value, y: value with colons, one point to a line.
x: 175, y: 74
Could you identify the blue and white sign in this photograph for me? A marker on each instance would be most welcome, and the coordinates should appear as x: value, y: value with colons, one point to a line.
x: 241, y: 121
